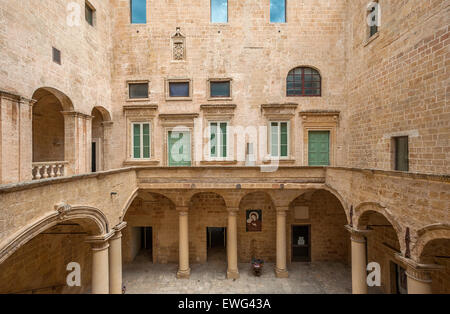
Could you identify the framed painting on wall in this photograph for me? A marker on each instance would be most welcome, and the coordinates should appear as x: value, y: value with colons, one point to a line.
x: 254, y: 220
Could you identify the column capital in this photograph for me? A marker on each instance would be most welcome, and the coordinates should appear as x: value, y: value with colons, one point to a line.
x: 100, y: 242
x: 182, y: 210
x: 417, y: 271
x: 357, y: 235
x: 120, y: 226
x: 107, y: 123
x: 233, y: 210
x: 282, y: 210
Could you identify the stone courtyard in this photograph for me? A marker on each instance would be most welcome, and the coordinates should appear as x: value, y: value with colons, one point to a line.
x: 142, y: 276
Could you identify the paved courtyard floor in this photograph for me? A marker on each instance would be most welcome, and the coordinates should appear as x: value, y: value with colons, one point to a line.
x: 142, y: 276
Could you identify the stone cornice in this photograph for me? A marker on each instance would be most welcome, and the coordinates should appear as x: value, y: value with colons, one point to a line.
x: 178, y: 116
x: 208, y: 107
x: 16, y: 97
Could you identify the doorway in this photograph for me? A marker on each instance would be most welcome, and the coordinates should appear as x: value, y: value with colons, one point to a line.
x: 399, y: 279
x: 216, y: 239
x: 301, y: 243
x: 94, y: 157
x: 147, y: 242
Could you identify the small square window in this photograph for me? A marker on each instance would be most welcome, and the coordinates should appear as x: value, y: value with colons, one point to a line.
x: 179, y: 89
x: 89, y: 13
x: 56, y: 55
x: 220, y: 89
x: 277, y: 11
x: 138, y: 90
x: 401, y: 153
x: 138, y: 11
x: 219, y: 11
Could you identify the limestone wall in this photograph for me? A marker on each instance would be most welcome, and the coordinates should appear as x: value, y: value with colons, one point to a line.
x: 398, y: 85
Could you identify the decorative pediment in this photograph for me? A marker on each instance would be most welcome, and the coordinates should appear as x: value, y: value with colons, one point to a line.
x: 178, y: 119
x: 140, y: 110
x: 320, y: 116
x: 218, y: 110
x: 285, y: 111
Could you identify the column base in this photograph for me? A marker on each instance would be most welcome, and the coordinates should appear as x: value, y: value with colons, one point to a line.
x: 184, y: 274
x: 281, y: 273
x: 232, y: 274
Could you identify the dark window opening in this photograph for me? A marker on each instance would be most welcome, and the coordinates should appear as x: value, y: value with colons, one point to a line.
x: 304, y: 82
x: 220, y: 89
x: 56, y: 55
x: 374, y: 27
x: 89, y: 14
x: 138, y: 90
x: 94, y: 157
x: 179, y: 89
x: 401, y: 150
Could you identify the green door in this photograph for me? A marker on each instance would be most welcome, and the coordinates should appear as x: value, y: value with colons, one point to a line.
x: 179, y: 149
x: 319, y: 148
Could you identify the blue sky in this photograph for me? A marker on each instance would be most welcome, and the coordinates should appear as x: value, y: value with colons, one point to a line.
x: 219, y: 11
x: 139, y: 11
x: 277, y: 11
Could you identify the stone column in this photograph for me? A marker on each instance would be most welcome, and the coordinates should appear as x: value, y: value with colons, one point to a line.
x: 183, y: 269
x: 232, y: 271
x: 100, y: 270
x: 418, y: 275
x: 280, y: 268
x: 359, y: 260
x: 115, y: 260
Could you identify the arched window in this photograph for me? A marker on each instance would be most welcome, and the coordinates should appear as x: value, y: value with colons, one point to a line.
x: 304, y: 81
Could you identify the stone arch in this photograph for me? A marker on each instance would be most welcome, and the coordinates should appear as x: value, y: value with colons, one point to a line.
x: 363, y: 211
x: 101, y: 137
x: 65, y: 101
x: 208, y: 219
x: 91, y: 219
x: 260, y: 240
x: 318, y: 216
x: 426, y: 235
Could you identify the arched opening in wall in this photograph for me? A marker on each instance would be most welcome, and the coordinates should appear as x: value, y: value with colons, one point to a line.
x: 315, y: 226
x: 256, y: 228
x: 40, y: 265
x: 381, y: 247
x: 207, y: 229
x: 49, y: 138
x: 151, y: 235
x: 100, y: 119
x: 437, y: 251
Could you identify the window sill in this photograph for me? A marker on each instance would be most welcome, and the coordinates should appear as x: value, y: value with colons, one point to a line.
x: 218, y: 162
x: 281, y: 161
x: 220, y: 98
x: 371, y: 39
x: 178, y: 98
x: 144, y: 162
x: 137, y: 99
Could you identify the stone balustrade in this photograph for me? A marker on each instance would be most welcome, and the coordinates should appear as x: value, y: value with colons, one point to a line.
x: 48, y: 169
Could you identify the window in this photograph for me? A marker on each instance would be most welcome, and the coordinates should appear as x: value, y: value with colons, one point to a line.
x: 56, y: 55
x: 89, y: 13
x: 179, y: 89
x: 220, y: 89
x: 304, y: 82
x: 373, y: 17
x: 219, y: 11
x: 138, y: 90
x: 179, y: 148
x: 279, y: 139
x: 141, y: 140
x: 401, y: 152
x: 218, y: 139
x: 277, y: 11
x: 138, y: 11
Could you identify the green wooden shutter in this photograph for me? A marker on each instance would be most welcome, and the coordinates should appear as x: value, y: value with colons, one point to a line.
x: 146, y: 140
x: 274, y: 138
x: 213, y: 139
x: 223, y: 133
x: 319, y: 148
x: 136, y: 141
x: 283, y: 139
x: 179, y: 146
x: 401, y: 153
